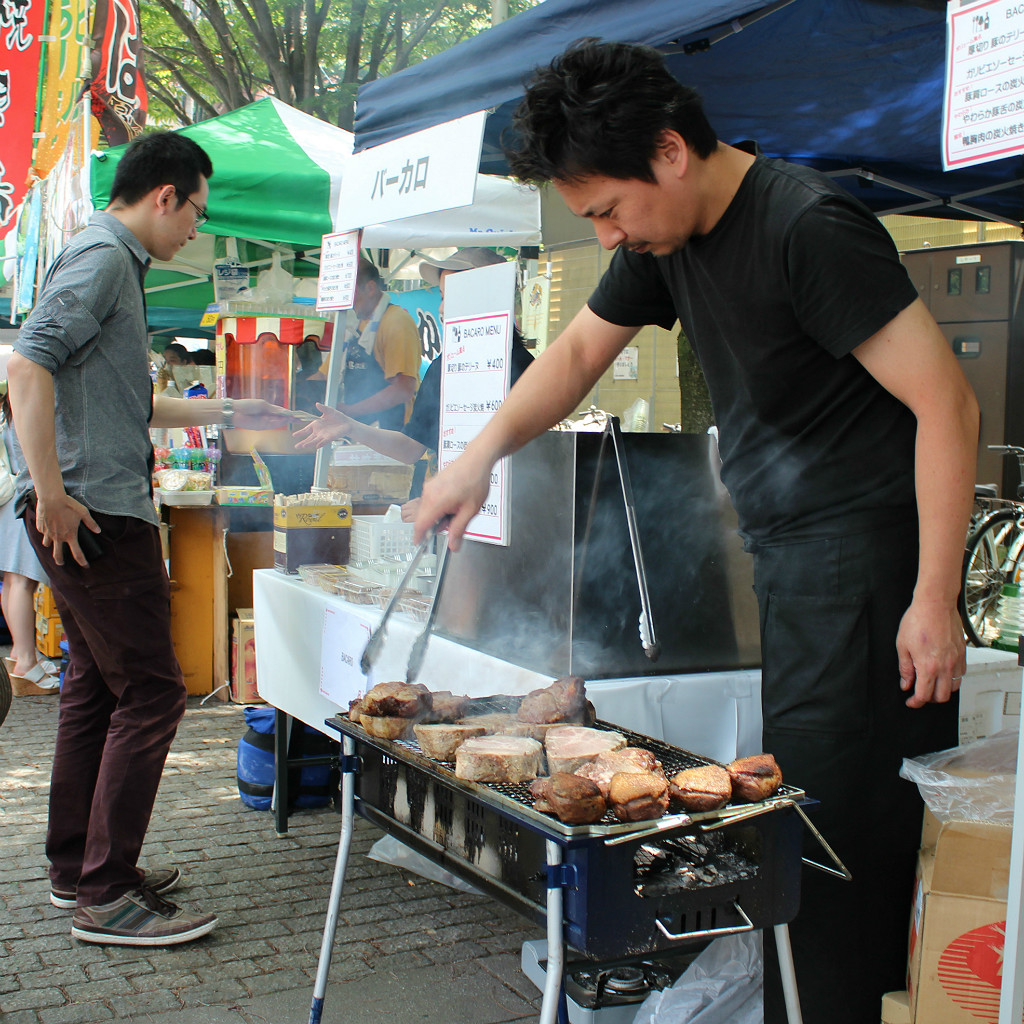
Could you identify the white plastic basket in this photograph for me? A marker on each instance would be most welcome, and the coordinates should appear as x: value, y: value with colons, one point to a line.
x: 373, y: 539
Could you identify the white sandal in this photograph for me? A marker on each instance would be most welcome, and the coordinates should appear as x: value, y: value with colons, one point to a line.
x: 36, y: 682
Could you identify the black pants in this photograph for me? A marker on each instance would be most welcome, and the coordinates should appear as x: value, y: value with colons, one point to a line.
x: 836, y: 720
x: 122, y: 699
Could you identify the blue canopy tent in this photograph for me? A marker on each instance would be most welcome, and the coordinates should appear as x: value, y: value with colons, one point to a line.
x: 852, y: 87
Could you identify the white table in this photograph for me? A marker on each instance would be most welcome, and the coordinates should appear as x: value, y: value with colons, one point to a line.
x: 717, y: 714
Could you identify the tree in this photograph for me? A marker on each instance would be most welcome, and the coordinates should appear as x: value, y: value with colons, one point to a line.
x: 205, y: 57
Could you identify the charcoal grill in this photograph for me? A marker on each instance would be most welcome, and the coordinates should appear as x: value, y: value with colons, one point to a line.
x: 609, y: 890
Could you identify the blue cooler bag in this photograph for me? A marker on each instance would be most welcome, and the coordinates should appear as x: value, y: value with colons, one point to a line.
x: 308, y: 787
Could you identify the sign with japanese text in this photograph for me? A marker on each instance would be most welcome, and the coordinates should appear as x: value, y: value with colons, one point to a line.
x: 476, y: 354
x: 21, y: 22
x: 342, y: 643
x: 627, y: 364
x: 64, y: 55
x: 119, y: 100
x: 983, y: 108
x: 339, y: 262
x: 435, y: 169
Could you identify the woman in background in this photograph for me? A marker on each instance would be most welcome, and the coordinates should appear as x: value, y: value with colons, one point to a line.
x: 30, y: 675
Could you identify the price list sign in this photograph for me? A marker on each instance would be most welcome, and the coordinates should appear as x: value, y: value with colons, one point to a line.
x: 476, y: 357
x: 339, y: 262
x: 983, y: 112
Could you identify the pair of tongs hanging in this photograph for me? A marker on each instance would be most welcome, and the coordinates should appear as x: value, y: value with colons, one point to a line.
x: 419, y: 647
x: 376, y: 641
x: 648, y: 637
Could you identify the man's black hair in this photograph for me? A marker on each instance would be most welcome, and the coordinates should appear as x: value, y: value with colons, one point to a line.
x: 162, y: 158
x: 368, y: 272
x: 599, y: 108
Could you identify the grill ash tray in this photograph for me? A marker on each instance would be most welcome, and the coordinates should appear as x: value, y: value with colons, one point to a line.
x: 628, y: 889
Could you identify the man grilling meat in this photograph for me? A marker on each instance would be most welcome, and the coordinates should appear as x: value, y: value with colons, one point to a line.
x: 847, y: 434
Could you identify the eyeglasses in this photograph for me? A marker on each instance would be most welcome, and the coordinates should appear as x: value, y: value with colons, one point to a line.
x: 201, y: 215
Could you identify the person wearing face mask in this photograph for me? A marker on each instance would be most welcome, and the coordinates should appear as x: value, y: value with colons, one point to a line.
x: 419, y: 436
x: 382, y: 356
x: 82, y: 401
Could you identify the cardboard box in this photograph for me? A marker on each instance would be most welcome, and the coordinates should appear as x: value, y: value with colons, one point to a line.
x: 244, y: 689
x: 990, y: 694
x: 243, y: 495
x: 896, y: 1008
x: 308, y: 534
x: 958, y: 921
x: 44, y: 602
x: 49, y: 633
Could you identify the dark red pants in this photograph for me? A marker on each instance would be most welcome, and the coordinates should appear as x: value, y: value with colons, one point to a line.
x: 120, y: 706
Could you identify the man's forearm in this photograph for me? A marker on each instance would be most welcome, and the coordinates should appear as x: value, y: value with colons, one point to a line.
x: 946, y: 464
x: 33, y: 408
x: 397, y: 392
x: 392, y: 443
x: 186, y: 412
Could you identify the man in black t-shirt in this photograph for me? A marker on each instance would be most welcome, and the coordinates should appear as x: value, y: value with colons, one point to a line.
x: 848, y: 437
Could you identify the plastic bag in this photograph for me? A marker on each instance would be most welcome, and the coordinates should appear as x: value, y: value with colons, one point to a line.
x: 389, y: 850
x: 974, y: 782
x: 724, y: 985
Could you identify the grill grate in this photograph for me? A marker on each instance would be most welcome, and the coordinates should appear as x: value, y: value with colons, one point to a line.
x: 673, y: 759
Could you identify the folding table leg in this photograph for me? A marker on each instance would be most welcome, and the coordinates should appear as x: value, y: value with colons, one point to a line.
x: 282, y: 741
x: 788, y: 972
x: 323, y: 968
x: 556, y: 948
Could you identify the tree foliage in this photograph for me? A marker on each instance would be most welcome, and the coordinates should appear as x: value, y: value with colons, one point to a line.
x: 205, y: 57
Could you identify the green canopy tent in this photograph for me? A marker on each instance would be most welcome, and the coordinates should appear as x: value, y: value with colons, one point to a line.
x: 277, y: 176
x: 276, y: 182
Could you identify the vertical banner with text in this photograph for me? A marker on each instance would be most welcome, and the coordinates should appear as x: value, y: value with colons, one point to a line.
x: 64, y: 60
x: 21, y: 23
x: 119, y: 99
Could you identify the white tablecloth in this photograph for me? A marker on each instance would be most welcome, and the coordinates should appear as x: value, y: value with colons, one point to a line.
x: 712, y: 713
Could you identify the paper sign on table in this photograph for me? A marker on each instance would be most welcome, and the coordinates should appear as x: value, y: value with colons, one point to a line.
x: 342, y: 644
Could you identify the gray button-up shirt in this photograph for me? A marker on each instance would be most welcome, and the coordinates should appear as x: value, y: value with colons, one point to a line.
x: 88, y: 328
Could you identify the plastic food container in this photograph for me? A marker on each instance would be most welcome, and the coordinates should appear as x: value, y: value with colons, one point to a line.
x: 184, y: 497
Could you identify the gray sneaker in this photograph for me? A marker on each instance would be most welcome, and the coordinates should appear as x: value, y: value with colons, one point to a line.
x: 139, y: 918
x: 160, y: 880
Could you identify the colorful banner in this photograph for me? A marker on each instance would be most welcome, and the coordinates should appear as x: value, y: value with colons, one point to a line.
x: 63, y: 67
x: 21, y: 22
x: 119, y: 99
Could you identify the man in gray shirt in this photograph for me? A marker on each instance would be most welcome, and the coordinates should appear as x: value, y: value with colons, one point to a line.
x: 83, y: 403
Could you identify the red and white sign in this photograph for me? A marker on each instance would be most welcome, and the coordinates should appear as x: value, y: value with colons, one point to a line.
x: 21, y: 22
x: 983, y: 108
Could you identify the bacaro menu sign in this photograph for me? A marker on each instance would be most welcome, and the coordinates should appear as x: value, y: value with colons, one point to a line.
x: 476, y: 354
x: 983, y: 112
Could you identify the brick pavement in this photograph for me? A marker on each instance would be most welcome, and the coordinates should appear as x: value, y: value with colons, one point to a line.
x: 408, y: 950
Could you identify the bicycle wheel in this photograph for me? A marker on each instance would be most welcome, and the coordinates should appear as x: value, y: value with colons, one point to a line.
x: 991, y: 557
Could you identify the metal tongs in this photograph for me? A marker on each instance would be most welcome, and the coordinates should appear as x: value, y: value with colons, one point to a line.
x: 648, y: 638
x: 376, y: 641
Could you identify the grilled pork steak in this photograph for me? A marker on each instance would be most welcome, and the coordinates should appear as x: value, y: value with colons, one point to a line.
x: 498, y: 759
x: 565, y: 700
x: 397, y: 699
x: 573, y: 746
x: 441, y: 740
x: 573, y: 800
x: 755, y: 778
x: 628, y: 759
x: 638, y: 796
x: 386, y: 727
x: 447, y: 706
x: 705, y: 788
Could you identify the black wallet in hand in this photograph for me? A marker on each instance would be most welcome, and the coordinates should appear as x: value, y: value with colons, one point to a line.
x: 89, y: 542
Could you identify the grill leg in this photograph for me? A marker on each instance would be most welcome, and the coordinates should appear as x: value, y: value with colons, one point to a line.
x: 556, y: 950
x: 323, y: 968
x: 786, y: 969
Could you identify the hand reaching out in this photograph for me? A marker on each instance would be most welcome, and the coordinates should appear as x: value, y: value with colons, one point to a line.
x: 331, y: 426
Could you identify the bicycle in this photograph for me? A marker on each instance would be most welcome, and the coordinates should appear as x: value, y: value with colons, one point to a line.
x: 993, y: 556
